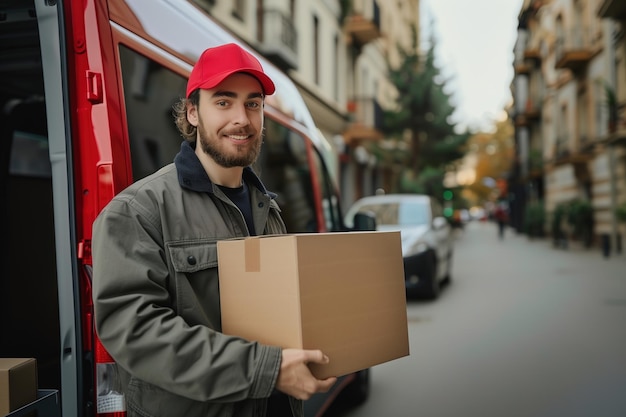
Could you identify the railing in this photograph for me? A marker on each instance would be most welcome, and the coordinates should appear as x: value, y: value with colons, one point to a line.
x: 562, y: 147
x: 278, y: 29
x: 578, y: 39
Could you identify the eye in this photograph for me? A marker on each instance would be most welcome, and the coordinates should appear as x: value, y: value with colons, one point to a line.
x: 253, y: 104
x: 221, y: 103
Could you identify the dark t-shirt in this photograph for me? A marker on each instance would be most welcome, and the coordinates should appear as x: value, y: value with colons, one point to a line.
x: 240, y: 196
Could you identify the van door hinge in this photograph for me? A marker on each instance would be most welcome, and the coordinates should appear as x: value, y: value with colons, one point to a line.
x: 94, y: 87
x: 84, y: 251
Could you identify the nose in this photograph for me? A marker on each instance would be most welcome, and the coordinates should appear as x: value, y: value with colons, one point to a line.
x: 240, y: 115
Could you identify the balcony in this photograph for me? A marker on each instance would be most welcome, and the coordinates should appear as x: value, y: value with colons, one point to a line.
x: 521, y: 68
x: 561, y: 150
x: 362, y: 27
x: 563, y: 153
x: 533, y: 110
x: 278, y: 39
x: 521, y: 120
x: 615, y: 9
x: 532, y: 54
x: 366, y: 120
x: 574, y: 49
x: 617, y: 132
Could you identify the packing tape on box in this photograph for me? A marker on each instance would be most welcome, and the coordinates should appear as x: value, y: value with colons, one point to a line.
x: 252, y: 247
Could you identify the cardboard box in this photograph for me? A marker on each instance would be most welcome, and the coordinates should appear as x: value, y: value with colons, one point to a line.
x: 18, y: 383
x: 342, y: 293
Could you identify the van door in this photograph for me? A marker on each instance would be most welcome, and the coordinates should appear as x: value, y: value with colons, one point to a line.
x: 38, y: 215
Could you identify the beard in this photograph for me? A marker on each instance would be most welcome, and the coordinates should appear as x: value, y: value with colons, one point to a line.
x: 244, y: 156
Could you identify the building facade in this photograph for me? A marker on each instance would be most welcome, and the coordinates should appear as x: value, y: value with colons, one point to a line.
x: 569, y: 63
x: 338, y: 53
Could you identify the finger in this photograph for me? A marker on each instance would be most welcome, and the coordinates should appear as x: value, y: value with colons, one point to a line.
x: 316, y: 356
x: 326, y: 384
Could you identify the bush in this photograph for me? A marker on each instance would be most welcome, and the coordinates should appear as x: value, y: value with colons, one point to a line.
x: 556, y: 225
x: 579, y: 214
x: 620, y: 213
x: 534, y: 219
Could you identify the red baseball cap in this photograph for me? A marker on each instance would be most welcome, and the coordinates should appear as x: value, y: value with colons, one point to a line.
x: 215, y: 64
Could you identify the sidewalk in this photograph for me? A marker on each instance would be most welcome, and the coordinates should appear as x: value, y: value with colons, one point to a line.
x: 481, y: 238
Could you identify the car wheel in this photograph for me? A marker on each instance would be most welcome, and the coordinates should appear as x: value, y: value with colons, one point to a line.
x: 433, y: 288
x: 357, y: 392
x: 448, y: 277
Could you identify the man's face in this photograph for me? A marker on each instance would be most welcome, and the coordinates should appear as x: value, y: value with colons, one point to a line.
x: 229, y: 119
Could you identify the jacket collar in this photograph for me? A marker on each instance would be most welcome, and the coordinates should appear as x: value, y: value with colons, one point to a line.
x: 192, y: 176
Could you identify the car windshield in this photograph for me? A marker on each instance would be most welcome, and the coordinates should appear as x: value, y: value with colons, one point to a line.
x: 398, y: 213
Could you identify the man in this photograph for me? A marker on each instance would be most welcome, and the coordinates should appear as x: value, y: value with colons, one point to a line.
x: 155, y: 277
x: 502, y: 219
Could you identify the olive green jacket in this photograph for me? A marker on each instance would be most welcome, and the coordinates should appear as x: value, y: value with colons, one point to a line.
x: 156, y: 296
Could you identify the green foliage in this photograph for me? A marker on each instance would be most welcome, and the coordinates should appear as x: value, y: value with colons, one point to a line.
x: 424, y: 109
x: 620, y: 213
x: 556, y: 225
x: 346, y: 8
x: 429, y: 181
x: 610, y: 100
x: 579, y: 212
x: 579, y: 215
x: 535, y: 160
x: 534, y: 219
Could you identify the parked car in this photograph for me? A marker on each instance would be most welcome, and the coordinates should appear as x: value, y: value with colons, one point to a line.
x: 427, y: 239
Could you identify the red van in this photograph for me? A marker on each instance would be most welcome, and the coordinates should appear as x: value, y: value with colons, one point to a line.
x: 86, y: 89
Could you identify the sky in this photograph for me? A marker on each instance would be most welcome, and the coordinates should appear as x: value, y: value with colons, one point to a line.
x: 474, y: 41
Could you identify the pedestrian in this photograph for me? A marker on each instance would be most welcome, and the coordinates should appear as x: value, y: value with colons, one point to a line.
x: 155, y: 275
x: 502, y: 218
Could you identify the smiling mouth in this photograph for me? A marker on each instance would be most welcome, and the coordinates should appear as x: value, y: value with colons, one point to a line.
x: 238, y: 137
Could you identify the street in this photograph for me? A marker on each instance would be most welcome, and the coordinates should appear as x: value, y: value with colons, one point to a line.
x: 524, y: 330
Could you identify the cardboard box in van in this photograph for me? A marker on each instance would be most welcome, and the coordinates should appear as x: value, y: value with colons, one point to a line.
x: 18, y: 383
x: 342, y: 293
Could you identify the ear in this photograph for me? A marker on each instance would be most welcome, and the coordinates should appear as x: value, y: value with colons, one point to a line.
x: 192, y: 114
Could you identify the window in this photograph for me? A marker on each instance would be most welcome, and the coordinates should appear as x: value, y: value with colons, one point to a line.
x: 316, y: 50
x: 330, y: 199
x: 337, y: 68
x: 283, y: 166
x: 150, y: 91
x: 239, y: 8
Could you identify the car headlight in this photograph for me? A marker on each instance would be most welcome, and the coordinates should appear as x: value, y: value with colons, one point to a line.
x: 420, y: 247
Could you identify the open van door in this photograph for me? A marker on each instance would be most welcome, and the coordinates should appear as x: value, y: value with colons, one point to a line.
x: 42, y: 290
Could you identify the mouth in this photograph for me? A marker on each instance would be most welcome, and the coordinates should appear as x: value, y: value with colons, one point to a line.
x: 238, y: 137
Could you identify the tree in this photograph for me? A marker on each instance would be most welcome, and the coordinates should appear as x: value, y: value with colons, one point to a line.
x: 494, y: 154
x: 423, y: 111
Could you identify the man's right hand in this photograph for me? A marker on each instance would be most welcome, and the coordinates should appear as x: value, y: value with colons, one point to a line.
x: 295, y: 378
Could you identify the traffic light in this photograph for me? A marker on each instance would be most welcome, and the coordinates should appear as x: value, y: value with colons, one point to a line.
x: 448, y: 195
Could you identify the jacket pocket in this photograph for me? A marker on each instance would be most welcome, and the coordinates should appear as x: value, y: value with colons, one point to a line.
x: 146, y: 400
x: 195, y: 284
x: 189, y: 257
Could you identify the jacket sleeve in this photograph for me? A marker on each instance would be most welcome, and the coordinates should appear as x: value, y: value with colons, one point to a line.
x: 142, y: 332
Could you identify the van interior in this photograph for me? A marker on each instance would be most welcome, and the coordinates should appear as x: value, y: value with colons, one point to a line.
x: 29, y: 324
